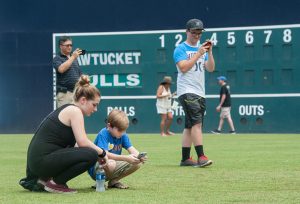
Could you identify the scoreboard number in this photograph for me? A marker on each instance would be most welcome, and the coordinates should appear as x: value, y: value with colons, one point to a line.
x: 268, y: 35
x: 287, y: 35
x: 179, y: 38
x: 213, y: 39
x: 232, y: 37
x: 249, y: 37
x: 162, y: 41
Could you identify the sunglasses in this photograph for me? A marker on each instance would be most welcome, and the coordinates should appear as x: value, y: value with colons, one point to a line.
x: 196, y: 33
x: 67, y: 45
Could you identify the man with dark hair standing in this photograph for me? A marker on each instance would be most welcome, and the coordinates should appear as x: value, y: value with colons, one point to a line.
x: 67, y: 71
x: 192, y: 59
x: 224, y: 106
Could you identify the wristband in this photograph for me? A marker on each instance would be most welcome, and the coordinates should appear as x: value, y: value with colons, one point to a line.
x: 103, y: 153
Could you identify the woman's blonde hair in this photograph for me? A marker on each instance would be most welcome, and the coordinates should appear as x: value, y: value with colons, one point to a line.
x: 118, y: 119
x: 83, y: 88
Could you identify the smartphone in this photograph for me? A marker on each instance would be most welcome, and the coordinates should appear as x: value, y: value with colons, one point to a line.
x: 142, y: 154
x: 207, y: 43
x: 83, y: 52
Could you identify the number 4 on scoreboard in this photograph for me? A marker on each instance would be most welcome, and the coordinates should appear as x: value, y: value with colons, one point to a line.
x: 213, y: 39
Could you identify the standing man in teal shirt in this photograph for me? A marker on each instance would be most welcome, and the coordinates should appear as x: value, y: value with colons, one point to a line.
x: 192, y: 59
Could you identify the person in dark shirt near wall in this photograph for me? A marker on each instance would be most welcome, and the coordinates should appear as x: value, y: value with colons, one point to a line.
x: 67, y: 71
x: 224, y: 106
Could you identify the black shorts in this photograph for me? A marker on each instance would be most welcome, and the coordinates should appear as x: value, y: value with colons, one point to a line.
x: 194, y: 109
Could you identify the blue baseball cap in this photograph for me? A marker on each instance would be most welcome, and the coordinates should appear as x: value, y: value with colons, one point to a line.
x: 223, y: 78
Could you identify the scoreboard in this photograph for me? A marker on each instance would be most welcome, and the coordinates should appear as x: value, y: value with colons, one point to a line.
x: 261, y: 63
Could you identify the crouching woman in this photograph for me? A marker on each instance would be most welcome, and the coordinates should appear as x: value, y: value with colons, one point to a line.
x: 53, y: 158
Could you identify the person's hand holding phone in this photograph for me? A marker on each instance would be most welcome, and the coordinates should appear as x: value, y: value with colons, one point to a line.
x: 76, y: 52
x: 82, y: 52
x: 142, y: 156
x: 132, y: 159
x: 208, y: 45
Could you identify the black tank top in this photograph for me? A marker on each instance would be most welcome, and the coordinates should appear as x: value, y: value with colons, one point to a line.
x: 50, y: 136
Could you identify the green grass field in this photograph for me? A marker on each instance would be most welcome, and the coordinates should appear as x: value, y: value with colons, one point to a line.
x: 248, y: 168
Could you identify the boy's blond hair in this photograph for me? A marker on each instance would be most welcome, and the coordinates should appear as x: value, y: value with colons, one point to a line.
x: 118, y: 119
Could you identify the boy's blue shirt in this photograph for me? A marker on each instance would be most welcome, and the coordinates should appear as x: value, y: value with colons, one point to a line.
x: 110, y: 143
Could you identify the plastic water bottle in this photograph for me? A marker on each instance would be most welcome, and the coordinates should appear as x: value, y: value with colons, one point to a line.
x: 100, y: 179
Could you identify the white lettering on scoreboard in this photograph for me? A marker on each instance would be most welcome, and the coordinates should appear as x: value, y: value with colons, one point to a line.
x: 129, y: 110
x: 248, y: 37
x: 178, y: 111
x: 111, y: 58
x: 251, y: 110
x: 116, y: 80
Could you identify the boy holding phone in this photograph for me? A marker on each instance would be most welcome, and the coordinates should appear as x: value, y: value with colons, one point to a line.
x: 112, y: 139
x: 192, y: 59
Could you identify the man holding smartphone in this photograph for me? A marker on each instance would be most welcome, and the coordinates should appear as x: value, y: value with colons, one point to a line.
x: 192, y: 59
x: 67, y: 71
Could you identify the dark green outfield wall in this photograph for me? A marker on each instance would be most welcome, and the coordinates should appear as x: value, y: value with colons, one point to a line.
x: 26, y: 48
x: 252, y: 115
x: 261, y: 63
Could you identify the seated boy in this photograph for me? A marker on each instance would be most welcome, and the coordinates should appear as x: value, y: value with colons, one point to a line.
x: 113, y: 138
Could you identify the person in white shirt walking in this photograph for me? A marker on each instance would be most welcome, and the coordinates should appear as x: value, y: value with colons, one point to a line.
x: 164, y: 104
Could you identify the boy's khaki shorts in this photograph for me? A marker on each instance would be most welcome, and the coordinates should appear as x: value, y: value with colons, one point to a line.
x: 121, y: 168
